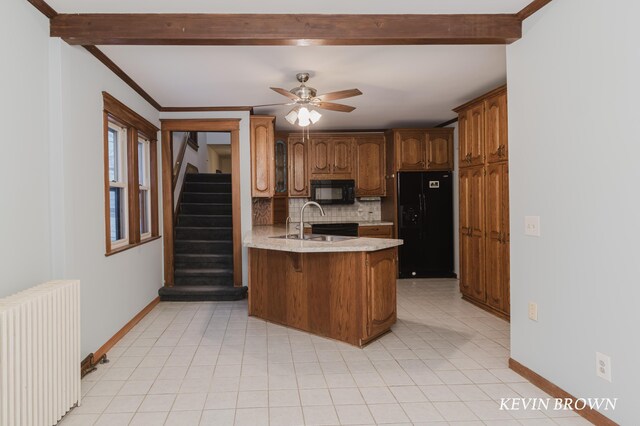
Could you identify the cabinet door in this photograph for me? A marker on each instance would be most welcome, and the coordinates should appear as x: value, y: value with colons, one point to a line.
x: 280, y: 160
x: 298, y: 181
x: 381, y: 291
x: 341, y: 150
x: 463, y: 140
x: 382, y: 231
x: 410, y: 150
x: 465, y: 248
x: 370, y: 167
x: 439, y: 146
x: 320, y: 156
x: 496, y: 130
x: 471, y: 134
x: 262, y: 157
x: 472, y: 241
x: 496, y: 240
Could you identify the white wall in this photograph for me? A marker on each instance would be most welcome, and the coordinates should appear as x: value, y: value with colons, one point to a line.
x: 245, y: 167
x: 115, y: 288
x: 573, y: 127
x: 25, y: 255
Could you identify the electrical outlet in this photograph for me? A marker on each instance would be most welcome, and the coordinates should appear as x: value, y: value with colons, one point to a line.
x: 532, y: 226
x: 533, y: 311
x: 603, y: 366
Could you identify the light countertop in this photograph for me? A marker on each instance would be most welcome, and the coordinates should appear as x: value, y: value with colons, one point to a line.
x: 259, y: 237
x: 373, y: 223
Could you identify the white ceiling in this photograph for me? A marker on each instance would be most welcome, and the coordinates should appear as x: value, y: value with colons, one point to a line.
x: 289, y: 6
x: 402, y: 85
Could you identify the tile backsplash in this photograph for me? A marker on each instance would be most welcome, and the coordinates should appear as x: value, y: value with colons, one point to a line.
x: 359, y: 211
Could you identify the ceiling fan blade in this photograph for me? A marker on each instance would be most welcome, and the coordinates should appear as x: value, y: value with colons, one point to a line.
x: 286, y: 93
x: 266, y: 105
x: 333, y: 107
x: 342, y: 94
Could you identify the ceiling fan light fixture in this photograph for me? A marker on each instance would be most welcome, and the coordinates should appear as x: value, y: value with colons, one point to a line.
x: 292, y: 116
x: 314, y: 116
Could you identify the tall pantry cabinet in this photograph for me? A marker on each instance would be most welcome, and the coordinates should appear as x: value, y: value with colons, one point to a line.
x: 484, y: 202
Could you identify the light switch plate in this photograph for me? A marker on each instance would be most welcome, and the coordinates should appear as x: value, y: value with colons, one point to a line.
x: 532, y: 226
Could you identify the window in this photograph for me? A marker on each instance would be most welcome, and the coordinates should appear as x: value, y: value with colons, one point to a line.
x: 144, y: 195
x: 131, y: 188
x: 117, y: 140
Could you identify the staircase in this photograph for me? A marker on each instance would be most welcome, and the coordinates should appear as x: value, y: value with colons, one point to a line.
x: 203, y: 243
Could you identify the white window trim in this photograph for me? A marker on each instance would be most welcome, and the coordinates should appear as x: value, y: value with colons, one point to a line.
x: 121, y: 182
x: 146, y: 149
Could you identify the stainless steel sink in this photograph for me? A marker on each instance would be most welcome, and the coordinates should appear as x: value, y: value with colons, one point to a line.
x: 316, y: 237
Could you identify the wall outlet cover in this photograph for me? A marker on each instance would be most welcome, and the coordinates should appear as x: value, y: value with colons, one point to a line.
x: 532, y: 226
x: 603, y: 366
x: 533, y: 311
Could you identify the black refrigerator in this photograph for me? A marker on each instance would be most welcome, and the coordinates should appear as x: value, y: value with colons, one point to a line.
x: 425, y: 223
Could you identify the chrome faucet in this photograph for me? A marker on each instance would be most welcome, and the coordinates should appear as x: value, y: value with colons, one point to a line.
x: 308, y: 203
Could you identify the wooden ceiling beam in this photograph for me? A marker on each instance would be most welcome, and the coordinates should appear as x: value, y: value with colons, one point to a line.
x: 532, y: 8
x: 284, y: 29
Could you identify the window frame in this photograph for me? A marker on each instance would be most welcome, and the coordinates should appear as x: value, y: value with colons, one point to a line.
x: 136, y: 129
x: 120, y: 181
x: 144, y: 183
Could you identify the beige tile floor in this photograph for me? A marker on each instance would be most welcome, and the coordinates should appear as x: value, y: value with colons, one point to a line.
x: 208, y: 363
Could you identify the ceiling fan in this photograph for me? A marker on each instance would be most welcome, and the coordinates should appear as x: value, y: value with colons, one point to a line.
x: 304, y: 98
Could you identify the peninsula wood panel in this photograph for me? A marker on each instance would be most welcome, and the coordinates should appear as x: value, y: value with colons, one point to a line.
x: 262, y: 156
x: 327, y: 294
x: 298, y: 164
x: 381, y: 312
x: 370, y: 167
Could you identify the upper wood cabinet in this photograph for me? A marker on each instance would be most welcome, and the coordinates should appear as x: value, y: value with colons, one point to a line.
x: 483, y: 130
x: 439, y: 149
x: 410, y: 150
x: 370, y: 166
x: 496, y: 128
x: 298, y: 165
x: 262, y: 156
x: 331, y: 157
x: 422, y: 149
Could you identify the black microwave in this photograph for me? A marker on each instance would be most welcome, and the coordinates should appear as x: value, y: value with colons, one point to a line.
x: 333, y: 191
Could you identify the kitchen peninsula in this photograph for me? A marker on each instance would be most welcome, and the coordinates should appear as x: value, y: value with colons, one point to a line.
x: 345, y: 290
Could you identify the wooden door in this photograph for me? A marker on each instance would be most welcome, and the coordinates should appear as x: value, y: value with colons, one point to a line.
x: 410, y: 150
x: 381, y: 291
x: 370, y: 167
x: 439, y: 147
x: 496, y: 225
x: 476, y: 226
x: 472, y: 135
x: 496, y: 130
x: 298, y: 181
x: 320, y: 157
x: 341, y: 151
x: 262, y: 157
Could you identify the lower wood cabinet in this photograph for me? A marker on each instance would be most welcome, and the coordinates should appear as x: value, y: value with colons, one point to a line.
x: 345, y: 296
x: 377, y: 231
x: 472, y: 229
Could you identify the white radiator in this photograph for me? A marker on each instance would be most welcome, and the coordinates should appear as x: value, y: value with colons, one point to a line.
x: 40, y: 354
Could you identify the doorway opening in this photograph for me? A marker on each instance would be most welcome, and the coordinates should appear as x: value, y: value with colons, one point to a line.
x: 201, y: 206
